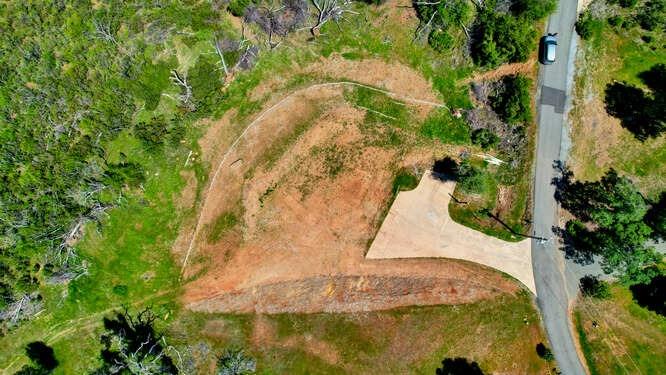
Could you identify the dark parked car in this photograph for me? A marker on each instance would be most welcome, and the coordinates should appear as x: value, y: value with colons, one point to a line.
x: 547, y: 49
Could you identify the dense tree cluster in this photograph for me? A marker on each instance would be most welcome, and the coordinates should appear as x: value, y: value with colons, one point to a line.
x: 72, y: 78
x: 610, y: 222
x: 501, y: 37
x: 642, y: 113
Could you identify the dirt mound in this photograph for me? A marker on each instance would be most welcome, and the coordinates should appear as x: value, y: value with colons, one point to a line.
x: 347, y: 293
x: 308, y: 187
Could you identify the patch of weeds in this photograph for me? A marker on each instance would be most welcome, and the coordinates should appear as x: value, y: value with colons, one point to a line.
x: 221, y: 226
x: 404, y: 181
x: 333, y: 159
x: 379, y: 107
x: 281, y: 145
x: 266, y: 193
x: 441, y: 125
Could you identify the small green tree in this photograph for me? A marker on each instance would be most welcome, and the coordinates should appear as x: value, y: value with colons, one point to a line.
x: 235, y: 362
x: 42, y: 357
x: 512, y: 100
x: 485, y: 138
x: 591, y: 286
x: 544, y: 352
x: 533, y: 9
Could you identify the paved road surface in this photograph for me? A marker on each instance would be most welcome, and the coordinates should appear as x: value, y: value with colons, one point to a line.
x: 553, y: 293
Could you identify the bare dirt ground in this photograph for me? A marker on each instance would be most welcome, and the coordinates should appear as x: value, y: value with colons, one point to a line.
x: 505, y: 70
x: 419, y: 226
x: 307, y: 219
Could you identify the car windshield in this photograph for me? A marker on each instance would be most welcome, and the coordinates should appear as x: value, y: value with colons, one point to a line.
x: 550, y: 52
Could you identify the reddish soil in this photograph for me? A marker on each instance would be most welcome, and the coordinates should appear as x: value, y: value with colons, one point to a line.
x: 308, y: 218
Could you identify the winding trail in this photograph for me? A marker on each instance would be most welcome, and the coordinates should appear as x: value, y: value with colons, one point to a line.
x: 260, y: 118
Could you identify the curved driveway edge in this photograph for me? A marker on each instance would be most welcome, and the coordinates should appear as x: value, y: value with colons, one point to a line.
x: 418, y: 225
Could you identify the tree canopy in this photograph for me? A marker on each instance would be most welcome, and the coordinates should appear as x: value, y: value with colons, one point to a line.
x: 610, y: 221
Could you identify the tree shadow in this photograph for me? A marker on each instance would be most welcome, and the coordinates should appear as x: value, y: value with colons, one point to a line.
x: 640, y: 112
x: 651, y: 295
x: 571, y: 248
x: 445, y: 169
x: 459, y: 366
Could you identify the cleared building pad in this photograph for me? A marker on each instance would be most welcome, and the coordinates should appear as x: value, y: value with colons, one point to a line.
x: 418, y: 225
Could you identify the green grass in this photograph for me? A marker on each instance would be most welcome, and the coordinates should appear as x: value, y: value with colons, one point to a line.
x: 629, y: 338
x: 442, y: 126
x: 474, y: 211
x: 405, y: 340
x: 615, y: 53
x: 221, y: 226
x: 404, y: 181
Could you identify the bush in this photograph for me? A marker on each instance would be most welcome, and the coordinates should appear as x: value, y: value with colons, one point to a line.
x: 237, y: 7
x: 628, y: 3
x: 153, y: 132
x: 440, y: 40
x: 533, y: 9
x: 512, y: 101
x: 485, y: 138
x: 615, y: 21
x: 500, y: 37
x: 471, y: 179
x: 587, y: 26
x: 652, y: 16
x: 543, y: 352
x: 591, y: 286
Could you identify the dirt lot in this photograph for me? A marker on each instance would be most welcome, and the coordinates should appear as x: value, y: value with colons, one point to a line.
x: 308, y: 204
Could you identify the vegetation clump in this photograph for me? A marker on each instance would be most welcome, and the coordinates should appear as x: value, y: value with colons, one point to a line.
x: 592, y: 286
x: 512, y: 100
x: 610, y: 222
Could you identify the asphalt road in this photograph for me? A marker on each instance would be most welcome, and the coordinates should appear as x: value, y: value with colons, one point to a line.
x: 553, y: 282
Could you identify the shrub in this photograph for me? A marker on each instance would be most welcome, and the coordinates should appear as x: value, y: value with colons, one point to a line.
x: 485, y: 138
x: 152, y: 132
x: 543, y: 352
x: 533, y: 9
x: 237, y: 7
x: 591, y: 286
x: 588, y: 26
x: 652, y: 16
x: 500, y: 37
x: 512, y: 100
x: 471, y: 179
x: 615, y: 21
x: 440, y: 40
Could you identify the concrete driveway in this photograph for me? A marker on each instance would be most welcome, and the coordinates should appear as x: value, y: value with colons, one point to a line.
x: 418, y: 225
